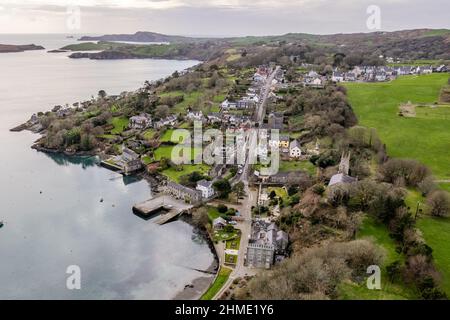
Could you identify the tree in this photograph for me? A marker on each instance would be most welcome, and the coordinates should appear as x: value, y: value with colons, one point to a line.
x: 394, y: 271
x: 272, y: 194
x: 102, y: 94
x: 439, y: 203
x: 239, y: 190
x: 162, y: 111
x: 222, y: 208
x: 200, y: 217
x: 222, y: 187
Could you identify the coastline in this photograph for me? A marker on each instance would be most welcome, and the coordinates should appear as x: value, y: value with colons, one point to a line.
x: 196, y: 289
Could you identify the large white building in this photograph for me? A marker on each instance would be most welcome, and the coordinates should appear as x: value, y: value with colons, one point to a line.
x: 206, y: 188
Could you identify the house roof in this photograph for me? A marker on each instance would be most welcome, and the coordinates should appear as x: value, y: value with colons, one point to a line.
x: 219, y: 220
x: 341, y: 178
x: 204, y: 183
x: 294, y: 144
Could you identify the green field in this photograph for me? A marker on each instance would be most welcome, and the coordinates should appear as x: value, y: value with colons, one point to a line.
x: 222, y: 277
x: 436, y: 232
x: 120, y: 124
x: 425, y: 138
x: 213, y: 213
x: 174, y: 174
x: 298, y: 166
x: 166, y: 152
x: 437, y: 112
x: 378, y: 233
x: 149, y: 134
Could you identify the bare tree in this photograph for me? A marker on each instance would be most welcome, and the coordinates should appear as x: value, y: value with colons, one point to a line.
x: 200, y: 217
x: 439, y: 203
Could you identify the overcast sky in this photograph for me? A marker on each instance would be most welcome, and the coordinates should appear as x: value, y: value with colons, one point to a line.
x: 217, y: 17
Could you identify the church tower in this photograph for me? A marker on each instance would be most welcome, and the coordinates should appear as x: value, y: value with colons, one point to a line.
x: 344, y: 166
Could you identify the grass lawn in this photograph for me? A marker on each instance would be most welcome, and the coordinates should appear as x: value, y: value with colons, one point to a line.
x: 120, y: 124
x: 230, y: 259
x: 222, y: 277
x: 297, y: 166
x: 426, y: 139
x: 234, y: 243
x: 149, y: 134
x: 213, y: 213
x: 222, y: 235
x: 167, y: 137
x: 108, y: 136
x: 436, y: 232
x: 166, y: 152
x: 445, y: 186
x: 378, y: 233
x: 190, y: 99
x: 280, y: 192
x: 174, y: 175
x: 146, y: 160
x: 440, y: 112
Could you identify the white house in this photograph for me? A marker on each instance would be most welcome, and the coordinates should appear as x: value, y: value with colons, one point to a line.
x: 316, y: 82
x: 228, y: 105
x: 294, y: 149
x: 206, y: 188
x: 140, y: 122
x: 337, y: 76
x: 195, y: 116
x: 219, y: 223
x: 168, y: 121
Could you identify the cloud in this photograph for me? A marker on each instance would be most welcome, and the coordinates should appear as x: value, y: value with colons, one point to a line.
x: 225, y: 17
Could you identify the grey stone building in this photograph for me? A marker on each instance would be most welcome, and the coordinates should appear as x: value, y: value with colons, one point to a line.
x: 265, y: 244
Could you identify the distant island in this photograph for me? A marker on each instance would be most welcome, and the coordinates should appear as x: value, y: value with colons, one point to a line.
x: 141, y: 36
x: 4, y: 48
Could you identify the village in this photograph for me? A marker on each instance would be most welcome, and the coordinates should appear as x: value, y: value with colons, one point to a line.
x: 246, y: 230
x: 238, y: 202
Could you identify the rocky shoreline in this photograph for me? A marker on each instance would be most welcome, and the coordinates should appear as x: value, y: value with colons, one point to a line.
x: 9, y: 48
x: 200, y: 285
x: 117, y: 55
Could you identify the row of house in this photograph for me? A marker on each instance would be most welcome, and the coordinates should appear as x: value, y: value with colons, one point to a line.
x: 230, y: 120
x: 382, y: 73
x: 203, y: 191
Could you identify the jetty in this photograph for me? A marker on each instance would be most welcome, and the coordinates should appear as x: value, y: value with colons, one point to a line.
x: 164, y: 206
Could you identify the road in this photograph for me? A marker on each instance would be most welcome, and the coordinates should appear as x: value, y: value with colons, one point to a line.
x: 250, y: 198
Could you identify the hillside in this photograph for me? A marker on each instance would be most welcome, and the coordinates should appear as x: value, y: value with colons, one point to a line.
x: 406, y: 45
x: 140, y: 36
x: 4, y: 48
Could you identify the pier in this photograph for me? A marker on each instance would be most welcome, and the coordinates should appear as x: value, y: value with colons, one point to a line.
x: 165, y: 207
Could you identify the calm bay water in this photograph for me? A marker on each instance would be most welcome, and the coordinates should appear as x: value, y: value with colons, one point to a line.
x: 51, y: 204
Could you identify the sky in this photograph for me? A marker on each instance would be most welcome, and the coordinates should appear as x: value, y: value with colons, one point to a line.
x: 220, y: 17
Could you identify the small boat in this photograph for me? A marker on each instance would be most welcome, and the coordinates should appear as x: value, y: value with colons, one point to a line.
x: 1, y: 224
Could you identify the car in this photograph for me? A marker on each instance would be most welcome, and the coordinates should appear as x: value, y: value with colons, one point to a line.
x: 240, y: 171
x: 233, y: 223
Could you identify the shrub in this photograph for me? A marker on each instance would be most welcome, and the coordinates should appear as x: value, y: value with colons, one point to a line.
x: 222, y: 208
x: 439, y: 203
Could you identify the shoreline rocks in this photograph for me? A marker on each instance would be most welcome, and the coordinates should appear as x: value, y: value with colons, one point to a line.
x: 8, y: 48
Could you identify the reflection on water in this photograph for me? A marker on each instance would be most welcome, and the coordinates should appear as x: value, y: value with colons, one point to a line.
x: 51, y: 204
x: 64, y: 160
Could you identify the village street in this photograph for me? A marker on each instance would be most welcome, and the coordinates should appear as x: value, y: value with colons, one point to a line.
x: 240, y: 270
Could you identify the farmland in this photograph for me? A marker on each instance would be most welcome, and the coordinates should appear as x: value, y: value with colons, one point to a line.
x: 426, y: 137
